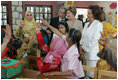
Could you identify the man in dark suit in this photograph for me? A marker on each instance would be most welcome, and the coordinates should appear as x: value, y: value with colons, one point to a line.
x: 54, y: 21
x: 61, y: 17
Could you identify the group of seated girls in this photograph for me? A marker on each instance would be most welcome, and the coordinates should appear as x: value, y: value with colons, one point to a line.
x: 62, y: 54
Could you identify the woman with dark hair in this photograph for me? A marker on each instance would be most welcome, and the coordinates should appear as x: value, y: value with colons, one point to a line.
x: 90, y: 36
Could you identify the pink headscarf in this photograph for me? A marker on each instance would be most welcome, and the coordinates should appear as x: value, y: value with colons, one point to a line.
x: 59, y: 49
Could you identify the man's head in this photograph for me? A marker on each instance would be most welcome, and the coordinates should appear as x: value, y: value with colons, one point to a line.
x: 62, y: 12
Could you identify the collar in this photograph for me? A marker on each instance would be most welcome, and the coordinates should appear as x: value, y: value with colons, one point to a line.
x: 61, y: 19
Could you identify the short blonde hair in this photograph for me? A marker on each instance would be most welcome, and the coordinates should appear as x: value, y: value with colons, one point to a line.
x: 72, y: 9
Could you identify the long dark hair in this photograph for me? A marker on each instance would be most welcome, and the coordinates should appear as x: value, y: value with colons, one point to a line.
x: 96, y: 11
x: 75, y: 37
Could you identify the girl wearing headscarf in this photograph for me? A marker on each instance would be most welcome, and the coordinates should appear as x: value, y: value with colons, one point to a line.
x: 71, y: 62
x: 27, y: 27
x: 26, y: 33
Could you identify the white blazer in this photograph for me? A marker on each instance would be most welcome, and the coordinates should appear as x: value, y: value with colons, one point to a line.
x: 89, y: 40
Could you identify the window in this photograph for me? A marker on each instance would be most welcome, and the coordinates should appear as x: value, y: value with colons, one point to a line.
x: 40, y: 11
x: 6, y: 13
x: 4, y: 17
x: 82, y: 11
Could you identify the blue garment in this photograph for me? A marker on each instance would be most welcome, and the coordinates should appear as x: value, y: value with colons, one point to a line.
x: 45, y: 38
x: 2, y: 36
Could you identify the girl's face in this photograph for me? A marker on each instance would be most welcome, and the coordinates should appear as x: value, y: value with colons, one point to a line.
x: 90, y: 15
x: 62, y: 29
x: 70, y: 15
x: 29, y: 16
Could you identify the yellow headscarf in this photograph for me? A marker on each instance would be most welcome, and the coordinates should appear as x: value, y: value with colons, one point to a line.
x: 28, y: 29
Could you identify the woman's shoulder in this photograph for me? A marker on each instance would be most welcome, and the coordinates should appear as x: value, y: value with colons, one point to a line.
x: 98, y: 23
x: 78, y: 21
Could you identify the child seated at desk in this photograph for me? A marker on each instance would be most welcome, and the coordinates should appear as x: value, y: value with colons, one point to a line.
x: 52, y: 61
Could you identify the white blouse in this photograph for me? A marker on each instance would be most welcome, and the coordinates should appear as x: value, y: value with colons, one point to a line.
x: 89, y: 40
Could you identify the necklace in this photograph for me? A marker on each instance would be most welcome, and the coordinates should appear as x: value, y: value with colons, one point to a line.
x: 72, y: 22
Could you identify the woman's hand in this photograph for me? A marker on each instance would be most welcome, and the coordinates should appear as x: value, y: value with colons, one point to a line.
x: 22, y: 25
x: 38, y: 28
x: 38, y: 53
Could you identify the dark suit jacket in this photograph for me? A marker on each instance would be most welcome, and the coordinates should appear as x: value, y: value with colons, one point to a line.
x: 107, y: 55
x: 54, y: 21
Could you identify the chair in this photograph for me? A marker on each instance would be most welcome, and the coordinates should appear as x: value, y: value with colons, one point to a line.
x: 91, y: 69
x: 104, y: 74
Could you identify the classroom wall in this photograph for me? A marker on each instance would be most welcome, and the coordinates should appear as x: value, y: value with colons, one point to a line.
x: 111, y: 14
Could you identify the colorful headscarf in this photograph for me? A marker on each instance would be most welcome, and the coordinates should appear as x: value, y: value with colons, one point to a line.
x: 25, y: 19
x: 29, y: 27
x: 59, y: 49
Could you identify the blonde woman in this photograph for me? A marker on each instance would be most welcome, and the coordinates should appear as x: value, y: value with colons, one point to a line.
x: 72, y: 22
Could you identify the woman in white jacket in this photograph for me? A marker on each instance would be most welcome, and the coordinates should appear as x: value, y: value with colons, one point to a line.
x: 90, y: 36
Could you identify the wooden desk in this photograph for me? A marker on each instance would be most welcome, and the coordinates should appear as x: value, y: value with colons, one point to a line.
x: 32, y: 74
